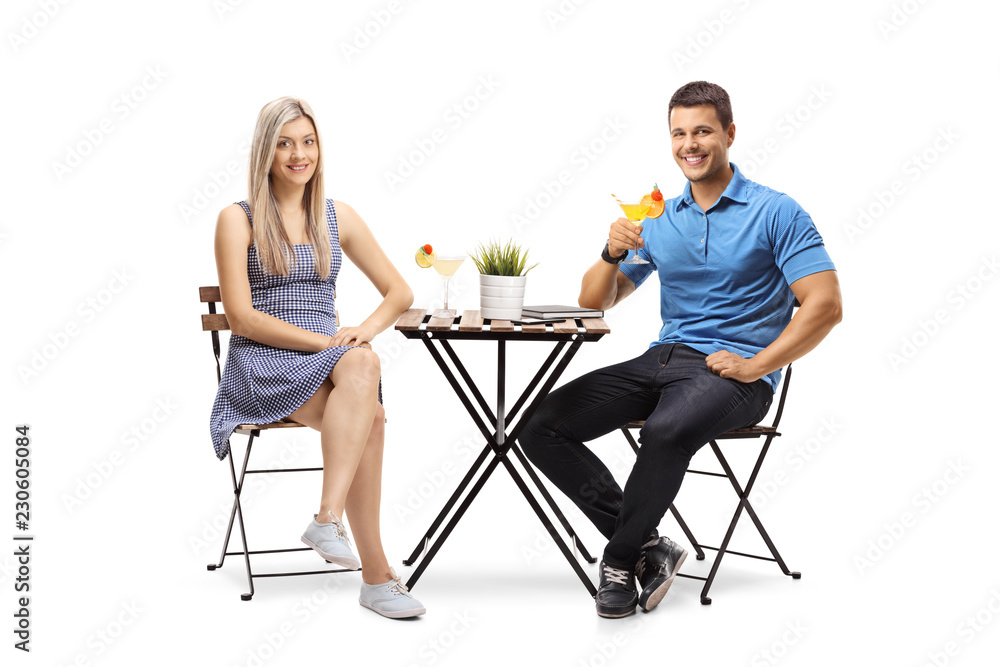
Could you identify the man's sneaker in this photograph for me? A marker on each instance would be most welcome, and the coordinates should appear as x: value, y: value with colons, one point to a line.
x: 391, y: 599
x: 330, y: 541
x: 616, y: 594
x: 659, y: 563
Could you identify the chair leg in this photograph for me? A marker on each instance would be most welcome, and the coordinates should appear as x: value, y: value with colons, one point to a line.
x: 718, y: 557
x: 631, y: 440
x: 237, y: 513
x: 744, y: 494
x: 770, y: 545
x: 699, y: 554
x: 232, y: 517
x: 744, y: 503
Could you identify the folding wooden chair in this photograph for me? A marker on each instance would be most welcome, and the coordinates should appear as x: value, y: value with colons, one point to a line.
x: 743, y: 492
x: 216, y: 322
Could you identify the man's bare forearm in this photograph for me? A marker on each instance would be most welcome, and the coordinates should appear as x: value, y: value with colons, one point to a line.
x: 600, y: 286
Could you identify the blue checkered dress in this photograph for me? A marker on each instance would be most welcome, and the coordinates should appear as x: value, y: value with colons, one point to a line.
x: 262, y: 384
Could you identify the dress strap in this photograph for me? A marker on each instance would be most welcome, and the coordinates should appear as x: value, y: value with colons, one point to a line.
x: 246, y: 209
x: 331, y: 221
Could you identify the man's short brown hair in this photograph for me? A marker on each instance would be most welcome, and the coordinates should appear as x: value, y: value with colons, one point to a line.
x: 702, y: 92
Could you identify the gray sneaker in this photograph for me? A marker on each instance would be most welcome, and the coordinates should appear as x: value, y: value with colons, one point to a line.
x: 391, y: 599
x: 330, y: 541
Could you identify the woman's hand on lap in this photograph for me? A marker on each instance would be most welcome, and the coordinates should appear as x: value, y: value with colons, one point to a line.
x: 352, y: 336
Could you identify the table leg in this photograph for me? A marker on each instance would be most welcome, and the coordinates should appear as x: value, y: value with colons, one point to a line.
x: 500, y: 442
x: 552, y: 504
x: 425, y: 561
x: 425, y: 540
x: 556, y: 537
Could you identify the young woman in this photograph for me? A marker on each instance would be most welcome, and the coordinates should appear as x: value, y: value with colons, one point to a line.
x: 278, y: 254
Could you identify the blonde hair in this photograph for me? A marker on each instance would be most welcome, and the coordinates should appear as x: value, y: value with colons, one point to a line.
x: 273, y: 246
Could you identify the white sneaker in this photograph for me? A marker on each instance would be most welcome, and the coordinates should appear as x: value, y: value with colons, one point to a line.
x: 391, y: 599
x: 330, y: 541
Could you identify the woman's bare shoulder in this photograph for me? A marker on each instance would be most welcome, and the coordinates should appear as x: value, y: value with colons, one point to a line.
x: 233, y: 223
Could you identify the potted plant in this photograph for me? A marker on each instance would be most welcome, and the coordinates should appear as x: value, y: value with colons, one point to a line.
x: 502, y: 276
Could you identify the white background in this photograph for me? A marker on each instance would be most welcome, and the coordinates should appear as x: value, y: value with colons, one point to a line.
x: 111, y: 204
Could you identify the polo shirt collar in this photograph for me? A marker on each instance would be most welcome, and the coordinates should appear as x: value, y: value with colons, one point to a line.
x: 736, y: 190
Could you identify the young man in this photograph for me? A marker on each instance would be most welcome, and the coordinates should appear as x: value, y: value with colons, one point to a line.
x: 732, y: 257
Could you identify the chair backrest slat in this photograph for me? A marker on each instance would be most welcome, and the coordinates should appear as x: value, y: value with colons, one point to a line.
x: 216, y: 322
x: 212, y: 293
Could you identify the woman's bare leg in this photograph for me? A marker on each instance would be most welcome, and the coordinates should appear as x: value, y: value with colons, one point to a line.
x: 363, y: 503
x: 351, y: 422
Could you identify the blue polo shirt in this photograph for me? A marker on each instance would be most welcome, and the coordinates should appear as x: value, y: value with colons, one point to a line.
x: 725, y: 272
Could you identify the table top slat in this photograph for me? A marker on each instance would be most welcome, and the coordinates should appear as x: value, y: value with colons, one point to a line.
x: 410, y: 320
x: 569, y: 326
x: 596, y: 325
x: 471, y: 321
x: 426, y: 324
x: 439, y: 323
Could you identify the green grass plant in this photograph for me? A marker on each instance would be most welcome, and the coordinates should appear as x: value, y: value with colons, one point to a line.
x: 493, y: 259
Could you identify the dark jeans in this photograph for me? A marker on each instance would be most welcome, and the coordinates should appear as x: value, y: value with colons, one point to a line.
x: 684, y: 404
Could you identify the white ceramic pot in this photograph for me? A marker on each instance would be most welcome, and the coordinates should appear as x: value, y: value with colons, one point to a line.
x: 501, y: 297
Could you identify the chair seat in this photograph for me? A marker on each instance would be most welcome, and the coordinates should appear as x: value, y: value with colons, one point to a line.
x: 245, y: 429
x: 743, y: 432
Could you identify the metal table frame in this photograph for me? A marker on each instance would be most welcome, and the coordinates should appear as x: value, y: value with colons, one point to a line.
x: 500, y: 438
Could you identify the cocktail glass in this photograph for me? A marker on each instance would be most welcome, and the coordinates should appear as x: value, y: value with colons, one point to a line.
x: 446, y: 265
x: 636, y: 212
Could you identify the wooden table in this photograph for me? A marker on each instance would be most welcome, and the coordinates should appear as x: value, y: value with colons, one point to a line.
x: 492, y: 421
